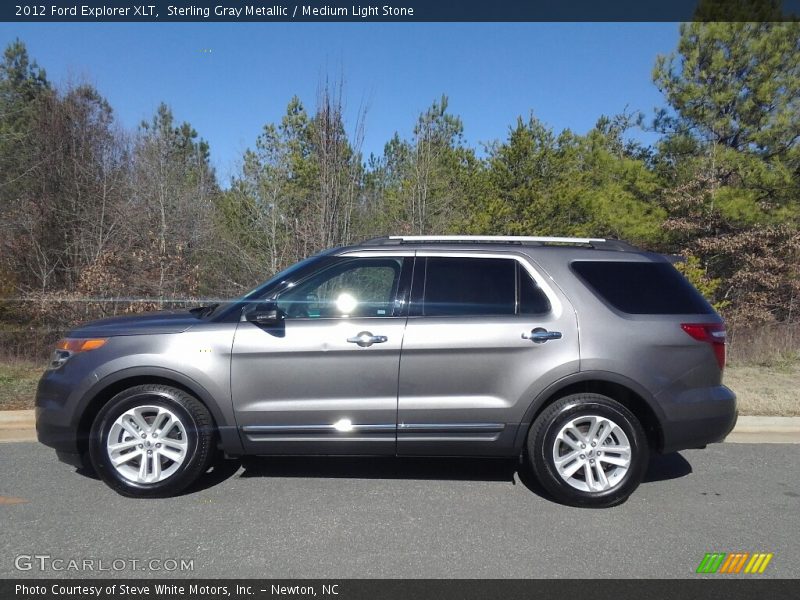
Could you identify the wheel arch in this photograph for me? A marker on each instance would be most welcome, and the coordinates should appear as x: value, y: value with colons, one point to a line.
x: 618, y: 387
x: 109, y: 386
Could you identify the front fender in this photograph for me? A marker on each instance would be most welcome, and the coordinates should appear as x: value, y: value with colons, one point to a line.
x: 224, y: 419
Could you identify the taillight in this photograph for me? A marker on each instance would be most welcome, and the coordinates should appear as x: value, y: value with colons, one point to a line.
x: 712, y: 333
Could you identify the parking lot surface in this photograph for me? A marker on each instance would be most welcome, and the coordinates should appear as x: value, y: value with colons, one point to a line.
x: 409, y: 518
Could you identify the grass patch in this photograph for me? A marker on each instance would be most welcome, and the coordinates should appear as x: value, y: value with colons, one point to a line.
x: 766, y: 390
x: 18, y: 379
x: 771, y: 344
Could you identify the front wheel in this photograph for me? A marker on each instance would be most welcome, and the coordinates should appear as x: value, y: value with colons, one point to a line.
x: 588, y: 450
x: 151, y: 441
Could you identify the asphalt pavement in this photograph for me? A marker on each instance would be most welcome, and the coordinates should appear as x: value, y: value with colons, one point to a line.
x: 402, y: 518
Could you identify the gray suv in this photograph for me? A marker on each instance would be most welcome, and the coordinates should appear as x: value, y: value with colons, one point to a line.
x: 579, y: 355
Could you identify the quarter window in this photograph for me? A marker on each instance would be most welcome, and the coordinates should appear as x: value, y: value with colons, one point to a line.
x: 642, y: 288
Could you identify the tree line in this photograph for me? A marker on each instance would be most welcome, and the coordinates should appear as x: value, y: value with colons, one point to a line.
x: 95, y: 218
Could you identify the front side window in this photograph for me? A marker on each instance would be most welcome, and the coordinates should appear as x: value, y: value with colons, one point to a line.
x: 349, y: 288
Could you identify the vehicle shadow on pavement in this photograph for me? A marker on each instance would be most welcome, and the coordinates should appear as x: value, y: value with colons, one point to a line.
x: 661, y: 467
x: 667, y: 466
x: 452, y: 469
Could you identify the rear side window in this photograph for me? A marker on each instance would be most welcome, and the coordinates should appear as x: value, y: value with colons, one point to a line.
x: 470, y: 286
x: 642, y: 288
x: 480, y: 286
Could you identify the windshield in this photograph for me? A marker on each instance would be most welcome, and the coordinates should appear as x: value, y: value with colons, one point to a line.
x: 286, y: 274
x: 257, y: 294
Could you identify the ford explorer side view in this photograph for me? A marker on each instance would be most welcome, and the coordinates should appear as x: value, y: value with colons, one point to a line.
x: 580, y: 355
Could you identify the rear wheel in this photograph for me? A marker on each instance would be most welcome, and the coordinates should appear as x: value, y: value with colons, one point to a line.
x: 588, y: 450
x: 151, y: 441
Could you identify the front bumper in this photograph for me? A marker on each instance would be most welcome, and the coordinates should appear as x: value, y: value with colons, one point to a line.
x: 58, y: 415
x: 697, y: 417
x: 51, y: 432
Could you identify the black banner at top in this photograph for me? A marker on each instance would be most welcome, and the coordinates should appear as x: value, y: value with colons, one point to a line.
x: 399, y: 10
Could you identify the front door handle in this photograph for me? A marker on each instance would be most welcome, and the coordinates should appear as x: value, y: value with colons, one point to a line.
x: 540, y: 335
x: 365, y: 339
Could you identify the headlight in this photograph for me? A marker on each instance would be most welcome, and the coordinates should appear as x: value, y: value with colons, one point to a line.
x: 68, y: 347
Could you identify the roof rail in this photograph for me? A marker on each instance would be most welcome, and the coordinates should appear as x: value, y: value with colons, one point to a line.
x: 608, y: 244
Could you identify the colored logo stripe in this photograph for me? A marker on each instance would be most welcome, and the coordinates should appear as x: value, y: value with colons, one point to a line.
x: 723, y: 562
x: 711, y: 562
x: 758, y: 563
x: 735, y: 562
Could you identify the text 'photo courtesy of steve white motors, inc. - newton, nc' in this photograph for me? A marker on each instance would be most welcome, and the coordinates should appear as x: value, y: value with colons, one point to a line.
x: 193, y: 590
x: 205, y: 12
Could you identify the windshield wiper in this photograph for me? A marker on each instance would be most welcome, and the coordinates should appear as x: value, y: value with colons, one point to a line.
x: 204, y: 311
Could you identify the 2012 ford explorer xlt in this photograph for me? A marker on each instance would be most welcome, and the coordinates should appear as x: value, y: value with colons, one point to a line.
x: 580, y: 355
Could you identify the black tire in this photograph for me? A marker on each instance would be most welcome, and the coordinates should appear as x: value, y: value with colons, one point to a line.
x: 542, y: 440
x: 199, y: 430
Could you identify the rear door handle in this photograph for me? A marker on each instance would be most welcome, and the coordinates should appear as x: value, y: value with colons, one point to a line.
x: 540, y: 335
x: 365, y: 339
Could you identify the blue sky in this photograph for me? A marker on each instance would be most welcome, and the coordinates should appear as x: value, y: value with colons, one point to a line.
x: 566, y: 74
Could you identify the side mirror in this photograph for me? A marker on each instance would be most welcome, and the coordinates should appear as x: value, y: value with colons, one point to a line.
x: 265, y: 313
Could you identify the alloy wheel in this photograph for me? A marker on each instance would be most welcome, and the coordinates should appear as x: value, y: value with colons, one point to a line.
x: 147, y: 444
x: 592, y: 453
